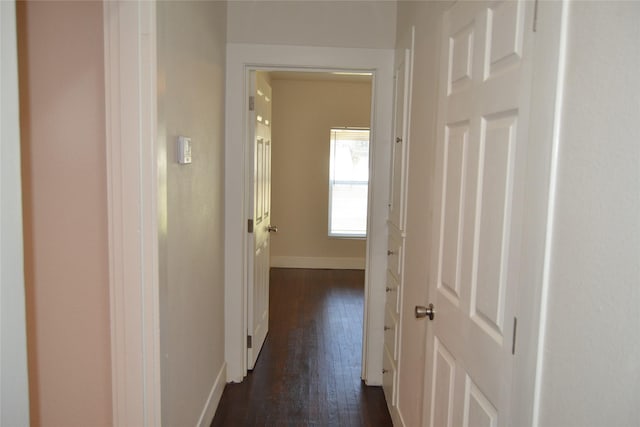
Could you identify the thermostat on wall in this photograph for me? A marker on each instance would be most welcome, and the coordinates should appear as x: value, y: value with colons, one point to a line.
x: 184, y: 150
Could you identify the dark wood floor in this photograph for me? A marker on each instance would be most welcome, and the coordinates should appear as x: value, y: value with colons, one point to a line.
x: 308, y: 373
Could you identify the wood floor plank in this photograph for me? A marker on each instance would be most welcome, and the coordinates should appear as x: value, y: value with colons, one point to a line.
x: 308, y: 372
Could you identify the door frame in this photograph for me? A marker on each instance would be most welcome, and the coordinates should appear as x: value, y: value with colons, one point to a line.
x: 14, y: 388
x: 132, y: 197
x: 549, y: 51
x: 253, y: 84
x: 241, y: 58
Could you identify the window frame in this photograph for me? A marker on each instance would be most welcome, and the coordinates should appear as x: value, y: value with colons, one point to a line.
x: 332, y: 183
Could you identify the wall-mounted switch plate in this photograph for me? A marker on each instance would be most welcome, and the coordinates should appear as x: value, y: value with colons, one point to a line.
x: 184, y: 150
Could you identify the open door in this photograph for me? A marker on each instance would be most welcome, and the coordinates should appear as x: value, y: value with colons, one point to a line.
x: 484, y: 99
x: 259, y: 216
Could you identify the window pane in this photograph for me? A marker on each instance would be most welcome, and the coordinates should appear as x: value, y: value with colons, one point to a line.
x: 349, y: 214
x: 349, y: 179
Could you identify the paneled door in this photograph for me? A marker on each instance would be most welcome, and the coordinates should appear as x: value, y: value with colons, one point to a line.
x: 397, y: 222
x: 397, y: 187
x: 259, y: 225
x: 483, y: 110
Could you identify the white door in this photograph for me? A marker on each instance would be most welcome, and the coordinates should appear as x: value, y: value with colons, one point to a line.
x: 397, y: 187
x: 485, y: 76
x: 260, y: 210
x: 396, y: 222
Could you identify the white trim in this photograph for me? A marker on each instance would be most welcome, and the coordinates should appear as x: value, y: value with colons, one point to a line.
x: 562, y: 27
x: 131, y: 125
x: 353, y: 234
x: 241, y: 58
x: 210, y: 406
x: 544, y: 121
x: 396, y: 417
x: 406, y: 54
x: 14, y: 387
x: 318, y: 262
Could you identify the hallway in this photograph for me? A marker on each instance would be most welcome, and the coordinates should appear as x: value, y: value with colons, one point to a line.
x: 308, y: 372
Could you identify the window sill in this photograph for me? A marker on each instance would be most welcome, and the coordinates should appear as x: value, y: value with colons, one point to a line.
x: 346, y: 237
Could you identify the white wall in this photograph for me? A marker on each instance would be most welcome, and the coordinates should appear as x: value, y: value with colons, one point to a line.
x: 363, y: 24
x: 591, y: 371
x: 14, y: 393
x: 191, y: 67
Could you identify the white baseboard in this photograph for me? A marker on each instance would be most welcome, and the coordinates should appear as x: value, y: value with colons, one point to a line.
x: 318, y: 262
x: 213, y: 400
x: 396, y: 418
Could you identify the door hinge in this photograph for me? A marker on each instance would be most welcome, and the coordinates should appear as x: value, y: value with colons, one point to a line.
x: 249, y: 341
x: 513, y: 342
x: 250, y: 226
x: 535, y: 16
x: 252, y: 103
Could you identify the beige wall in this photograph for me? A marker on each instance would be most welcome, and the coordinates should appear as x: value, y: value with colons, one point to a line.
x: 191, y: 64
x: 303, y: 114
x: 65, y: 212
x: 365, y: 24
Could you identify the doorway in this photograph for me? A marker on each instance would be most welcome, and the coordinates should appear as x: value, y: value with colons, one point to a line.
x: 309, y: 137
x: 241, y: 59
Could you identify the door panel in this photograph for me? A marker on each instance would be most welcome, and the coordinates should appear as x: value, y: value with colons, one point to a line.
x: 258, y: 298
x: 444, y: 373
x: 389, y: 377
x: 492, y: 213
x: 505, y: 25
x: 391, y: 332
x: 392, y: 290
x: 478, y: 410
x: 400, y: 141
x: 394, y: 255
x: 482, y: 121
x: 456, y: 139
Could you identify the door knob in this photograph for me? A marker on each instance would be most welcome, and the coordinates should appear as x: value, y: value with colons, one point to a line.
x: 272, y: 229
x: 422, y: 311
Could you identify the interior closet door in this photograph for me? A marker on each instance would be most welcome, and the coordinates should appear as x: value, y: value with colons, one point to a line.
x: 482, y: 136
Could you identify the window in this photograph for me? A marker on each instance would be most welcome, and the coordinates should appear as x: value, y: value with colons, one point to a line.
x: 348, y: 182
